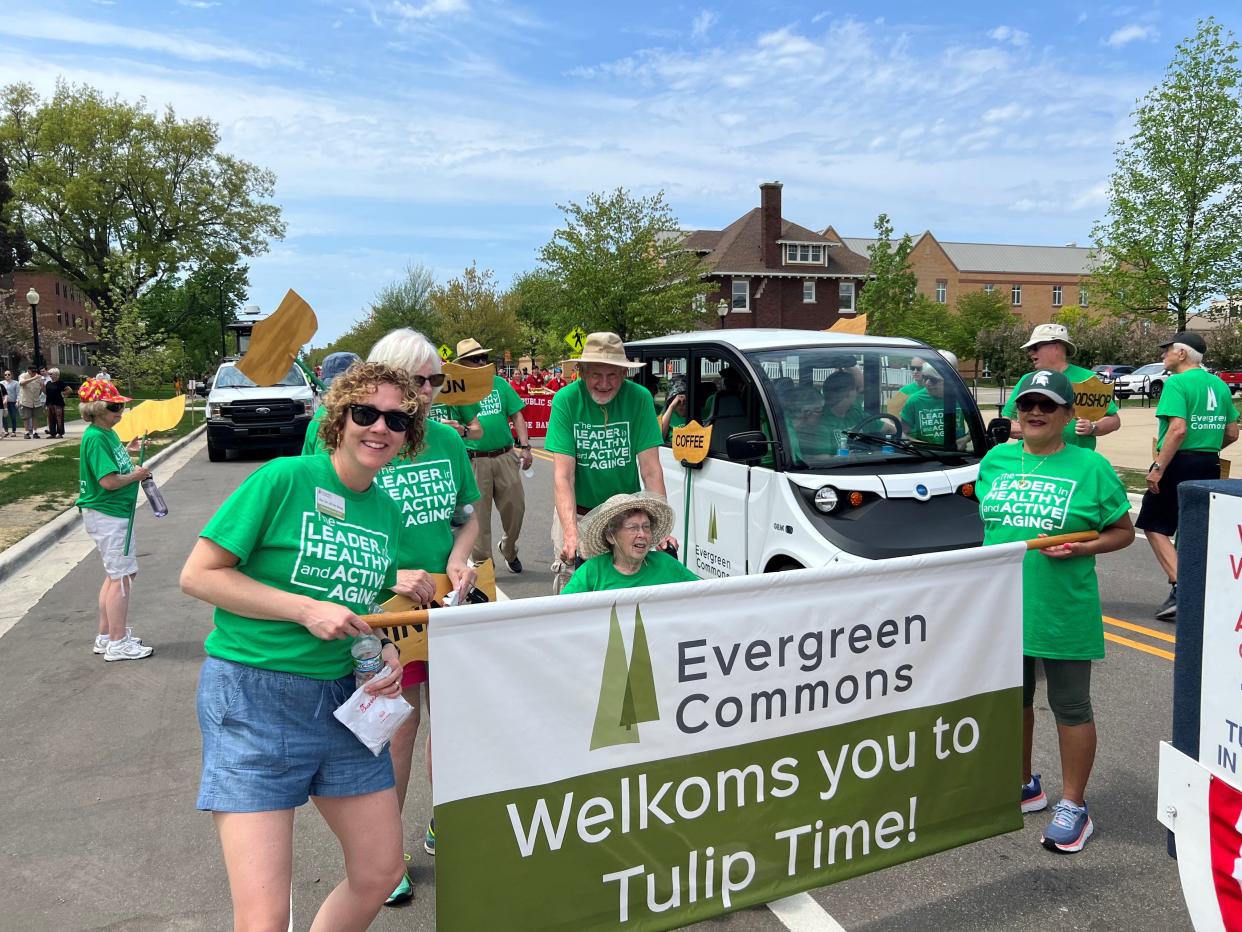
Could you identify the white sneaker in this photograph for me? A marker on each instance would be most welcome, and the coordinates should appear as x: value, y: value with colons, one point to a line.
x: 127, y: 650
x: 102, y: 640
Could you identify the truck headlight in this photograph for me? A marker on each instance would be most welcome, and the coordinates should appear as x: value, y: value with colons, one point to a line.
x: 827, y: 499
x: 213, y: 410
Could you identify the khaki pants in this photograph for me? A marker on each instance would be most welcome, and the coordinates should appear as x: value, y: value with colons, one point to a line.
x: 500, y: 483
x: 561, y: 571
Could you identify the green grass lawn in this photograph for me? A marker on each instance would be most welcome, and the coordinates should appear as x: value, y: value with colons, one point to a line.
x: 52, y: 474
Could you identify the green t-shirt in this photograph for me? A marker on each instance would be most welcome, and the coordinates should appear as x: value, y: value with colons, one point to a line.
x: 101, y: 454
x: 605, y: 441
x: 598, y: 574
x: 1075, y: 374
x: 1071, y: 490
x: 910, y: 388
x: 924, y: 415
x: 462, y: 414
x: 295, y: 526
x: 1203, y: 401
x: 494, y: 413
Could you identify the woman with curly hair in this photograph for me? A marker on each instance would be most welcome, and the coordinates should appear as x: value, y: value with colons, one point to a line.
x: 290, y: 560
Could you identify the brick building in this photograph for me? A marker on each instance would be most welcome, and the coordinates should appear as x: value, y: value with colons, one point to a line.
x: 1037, y: 280
x: 772, y: 272
x: 68, y: 325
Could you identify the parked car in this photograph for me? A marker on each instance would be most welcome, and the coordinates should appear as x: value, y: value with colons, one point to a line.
x: 243, y: 416
x: 1109, y: 374
x: 1232, y: 378
x: 1144, y: 380
x: 784, y: 488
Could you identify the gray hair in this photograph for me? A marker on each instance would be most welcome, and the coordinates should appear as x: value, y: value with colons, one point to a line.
x: 405, y: 349
x: 1192, y: 354
x: 611, y: 528
x: 950, y: 357
x: 89, y: 410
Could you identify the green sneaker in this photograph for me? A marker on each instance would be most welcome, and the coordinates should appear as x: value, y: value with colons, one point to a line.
x: 429, y: 843
x: 404, y: 892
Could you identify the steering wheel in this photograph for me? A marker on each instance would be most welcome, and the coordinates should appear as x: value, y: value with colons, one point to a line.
x: 892, y: 418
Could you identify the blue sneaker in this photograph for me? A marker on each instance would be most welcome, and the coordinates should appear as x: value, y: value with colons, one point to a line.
x: 429, y: 842
x: 1069, y: 829
x: 1033, y: 798
x: 404, y: 892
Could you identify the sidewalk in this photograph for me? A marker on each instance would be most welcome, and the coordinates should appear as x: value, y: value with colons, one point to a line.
x: 12, y: 446
x: 1131, y: 446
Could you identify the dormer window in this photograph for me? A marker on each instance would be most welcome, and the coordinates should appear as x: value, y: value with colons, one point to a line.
x: 805, y: 253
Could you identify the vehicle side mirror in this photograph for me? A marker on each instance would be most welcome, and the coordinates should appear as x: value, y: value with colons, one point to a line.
x: 201, y: 391
x: 998, y: 431
x: 746, y: 446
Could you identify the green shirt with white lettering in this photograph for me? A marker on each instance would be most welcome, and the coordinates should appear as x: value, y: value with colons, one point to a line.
x: 102, y: 454
x: 1022, y: 496
x: 605, y: 440
x: 462, y: 414
x: 1075, y: 374
x: 598, y: 574
x: 494, y: 413
x: 294, y: 526
x: 1202, y: 400
x: 923, y: 414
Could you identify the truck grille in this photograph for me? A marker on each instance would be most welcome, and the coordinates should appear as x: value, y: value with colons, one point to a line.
x: 262, y: 412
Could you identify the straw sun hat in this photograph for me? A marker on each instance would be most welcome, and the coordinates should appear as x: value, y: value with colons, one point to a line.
x: 605, y: 348
x: 592, y: 542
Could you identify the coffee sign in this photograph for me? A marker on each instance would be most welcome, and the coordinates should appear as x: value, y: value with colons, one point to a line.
x: 691, y: 443
x: 1091, y: 399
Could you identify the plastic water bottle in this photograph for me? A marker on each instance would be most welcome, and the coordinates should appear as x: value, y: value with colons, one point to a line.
x: 461, y: 514
x: 367, y: 660
x: 888, y: 448
x: 158, y: 507
x: 529, y: 472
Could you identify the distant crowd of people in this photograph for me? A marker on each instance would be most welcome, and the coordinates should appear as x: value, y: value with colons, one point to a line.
x: 34, y: 396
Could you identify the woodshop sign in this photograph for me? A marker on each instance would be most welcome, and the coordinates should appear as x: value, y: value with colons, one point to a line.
x: 648, y: 758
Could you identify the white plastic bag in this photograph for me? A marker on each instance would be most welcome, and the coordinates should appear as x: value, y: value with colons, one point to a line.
x: 374, y: 719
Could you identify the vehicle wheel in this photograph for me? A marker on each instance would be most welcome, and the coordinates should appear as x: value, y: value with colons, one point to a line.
x: 784, y: 566
x: 214, y: 453
x: 1156, y: 390
x: 1123, y: 395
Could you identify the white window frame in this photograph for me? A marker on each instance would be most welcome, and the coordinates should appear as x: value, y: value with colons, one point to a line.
x: 843, y: 289
x: 1015, y: 295
x: 814, y: 253
x: 1082, y: 295
x: 942, y: 291
x: 1056, y: 295
x: 808, y: 291
x: 699, y: 304
x: 744, y: 307
x: 989, y: 288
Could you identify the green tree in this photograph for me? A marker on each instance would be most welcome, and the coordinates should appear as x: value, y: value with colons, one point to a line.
x: 14, y: 247
x: 974, y: 312
x: 471, y: 306
x: 116, y: 197
x: 1000, y: 349
x: 403, y: 303
x: 189, y: 314
x: 890, y: 296
x: 533, y: 298
x: 1172, y: 237
x: 618, y: 265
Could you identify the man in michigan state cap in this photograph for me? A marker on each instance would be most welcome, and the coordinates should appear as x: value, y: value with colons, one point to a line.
x: 604, y: 438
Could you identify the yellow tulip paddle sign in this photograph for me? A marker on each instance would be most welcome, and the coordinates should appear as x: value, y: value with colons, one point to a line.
x: 144, y: 419
x: 276, y: 341
x: 466, y: 385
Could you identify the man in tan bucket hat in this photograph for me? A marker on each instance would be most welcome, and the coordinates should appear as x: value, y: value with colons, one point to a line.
x: 604, y: 438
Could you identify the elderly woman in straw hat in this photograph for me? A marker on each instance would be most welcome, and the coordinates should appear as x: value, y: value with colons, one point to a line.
x: 620, y: 539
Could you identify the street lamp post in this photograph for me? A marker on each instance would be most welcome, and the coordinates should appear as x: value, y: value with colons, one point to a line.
x: 722, y: 309
x: 32, y: 298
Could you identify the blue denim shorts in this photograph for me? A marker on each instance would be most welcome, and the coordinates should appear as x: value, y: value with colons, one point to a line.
x: 270, y: 740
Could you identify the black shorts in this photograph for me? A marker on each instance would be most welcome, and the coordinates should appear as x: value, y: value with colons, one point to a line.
x: 1159, y: 512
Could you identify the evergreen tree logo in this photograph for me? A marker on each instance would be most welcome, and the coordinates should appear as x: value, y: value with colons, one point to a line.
x: 627, y: 693
x: 711, y: 526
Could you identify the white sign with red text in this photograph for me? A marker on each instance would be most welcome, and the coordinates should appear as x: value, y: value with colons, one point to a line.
x: 1220, y: 709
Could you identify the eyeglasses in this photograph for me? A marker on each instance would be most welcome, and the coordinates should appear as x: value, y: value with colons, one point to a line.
x: 420, y: 380
x: 1045, y: 405
x: 1038, y: 346
x: 636, y: 528
x: 366, y: 415
x: 116, y: 407
x: 916, y: 368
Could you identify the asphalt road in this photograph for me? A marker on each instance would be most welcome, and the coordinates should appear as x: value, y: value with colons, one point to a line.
x: 100, y: 768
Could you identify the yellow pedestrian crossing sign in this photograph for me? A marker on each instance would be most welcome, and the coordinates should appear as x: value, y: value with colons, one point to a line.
x: 576, y: 339
x: 445, y: 353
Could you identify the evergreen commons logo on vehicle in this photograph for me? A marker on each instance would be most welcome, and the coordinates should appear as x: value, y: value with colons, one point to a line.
x: 627, y: 693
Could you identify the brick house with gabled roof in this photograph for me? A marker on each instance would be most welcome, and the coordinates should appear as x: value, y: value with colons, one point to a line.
x: 772, y: 272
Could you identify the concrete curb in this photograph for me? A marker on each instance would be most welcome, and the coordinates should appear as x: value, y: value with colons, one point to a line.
x: 33, y: 544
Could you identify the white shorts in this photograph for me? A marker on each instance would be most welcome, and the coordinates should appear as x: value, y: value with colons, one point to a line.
x: 108, y: 533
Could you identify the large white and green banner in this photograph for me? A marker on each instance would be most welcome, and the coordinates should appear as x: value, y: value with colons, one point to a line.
x: 651, y: 757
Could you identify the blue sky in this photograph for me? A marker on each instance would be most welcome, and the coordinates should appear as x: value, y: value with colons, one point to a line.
x: 445, y: 131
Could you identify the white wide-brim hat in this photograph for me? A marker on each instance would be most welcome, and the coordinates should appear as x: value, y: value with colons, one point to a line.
x: 591, y: 542
x: 607, y: 349
x: 1050, y: 333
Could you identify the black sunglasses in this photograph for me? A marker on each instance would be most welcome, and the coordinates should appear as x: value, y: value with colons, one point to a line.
x: 366, y: 415
x: 116, y: 407
x: 1045, y: 405
x: 436, y: 380
x: 474, y: 361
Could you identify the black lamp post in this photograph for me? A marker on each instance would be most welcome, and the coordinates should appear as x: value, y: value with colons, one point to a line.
x: 722, y: 309
x: 32, y: 298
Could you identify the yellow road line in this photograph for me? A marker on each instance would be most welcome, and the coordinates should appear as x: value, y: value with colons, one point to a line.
x: 1150, y: 632
x: 542, y: 455
x: 1118, y: 639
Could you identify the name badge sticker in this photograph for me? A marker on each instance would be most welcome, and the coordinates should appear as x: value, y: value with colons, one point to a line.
x: 329, y: 503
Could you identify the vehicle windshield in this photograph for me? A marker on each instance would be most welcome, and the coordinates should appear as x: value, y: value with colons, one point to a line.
x: 232, y: 377
x: 854, y: 405
x: 1152, y: 368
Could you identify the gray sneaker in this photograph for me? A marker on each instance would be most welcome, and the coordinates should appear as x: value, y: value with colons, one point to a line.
x: 1168, y: 608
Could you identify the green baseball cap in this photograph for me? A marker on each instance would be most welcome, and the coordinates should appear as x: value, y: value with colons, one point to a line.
x: 1051, y: 384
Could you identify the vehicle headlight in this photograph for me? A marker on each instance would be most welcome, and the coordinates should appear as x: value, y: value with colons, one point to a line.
x: 308, y: 407
x: 213, y: 410
x: 827, y: 499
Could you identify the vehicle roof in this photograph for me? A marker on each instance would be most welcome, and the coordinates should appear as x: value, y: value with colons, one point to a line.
x: 765, y: 338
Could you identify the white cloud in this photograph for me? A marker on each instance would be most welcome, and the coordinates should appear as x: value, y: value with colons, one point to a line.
x: 55, y: 27
x: 702, y: 24
x: 822, y: 14
x: 198, y: 4
x: 1130, y: 33
x: 1009, y: 34
x: 1006, y: 114
x: 429, y: 9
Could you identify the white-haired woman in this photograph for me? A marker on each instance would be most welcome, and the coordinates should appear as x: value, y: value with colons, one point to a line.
x: 428, y: 485
x: 54, y: 392
x: 619, y: 539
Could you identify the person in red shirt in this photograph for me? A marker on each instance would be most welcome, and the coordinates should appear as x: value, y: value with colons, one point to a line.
x: 556, y: 383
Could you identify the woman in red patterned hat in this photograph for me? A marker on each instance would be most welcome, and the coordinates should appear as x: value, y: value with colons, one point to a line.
x: 107, y: 494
